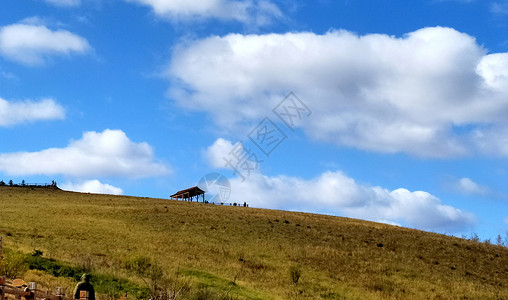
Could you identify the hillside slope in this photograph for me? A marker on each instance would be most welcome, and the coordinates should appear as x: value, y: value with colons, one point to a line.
x: 258, y: 250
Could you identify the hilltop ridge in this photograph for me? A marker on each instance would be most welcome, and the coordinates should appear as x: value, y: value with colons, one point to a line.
x: 258, y: 251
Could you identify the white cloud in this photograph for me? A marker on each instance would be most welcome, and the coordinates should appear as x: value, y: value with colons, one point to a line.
x: 337, y: 194
x: 215, y: 153
x: 467, y: 186
x: 64, y: 3
x: 260, y: 12
x: 434, y: 92
x: 493, y: 141
x: 13, y: 113
x: 97, y: 154
x: 32, y: 44
x: 92, y: 186
x: 506, y: 220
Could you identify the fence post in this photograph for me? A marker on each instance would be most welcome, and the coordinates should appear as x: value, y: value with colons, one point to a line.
x: 32, y: 286
x: 60, y: 292
x: 2, y: 283
x: 60, y: 295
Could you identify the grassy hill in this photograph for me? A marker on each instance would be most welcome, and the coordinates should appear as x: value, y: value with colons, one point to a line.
x: 247, y: 253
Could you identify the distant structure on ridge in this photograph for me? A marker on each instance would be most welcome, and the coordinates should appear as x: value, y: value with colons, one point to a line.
x: 189, y: 194
x: 30, y: 185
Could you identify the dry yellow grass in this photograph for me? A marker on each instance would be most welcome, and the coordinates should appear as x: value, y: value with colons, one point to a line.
x: 212, y: 246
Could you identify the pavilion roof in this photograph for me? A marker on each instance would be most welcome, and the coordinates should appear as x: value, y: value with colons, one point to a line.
x: 190, y: 192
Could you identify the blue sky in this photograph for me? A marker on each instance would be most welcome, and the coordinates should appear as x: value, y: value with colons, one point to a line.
x: 390, y: 111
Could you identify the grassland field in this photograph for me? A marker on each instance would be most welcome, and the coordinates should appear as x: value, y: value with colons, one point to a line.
x: 247, y: 253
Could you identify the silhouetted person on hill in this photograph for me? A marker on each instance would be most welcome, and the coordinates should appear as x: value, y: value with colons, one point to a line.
x: 84, y: 286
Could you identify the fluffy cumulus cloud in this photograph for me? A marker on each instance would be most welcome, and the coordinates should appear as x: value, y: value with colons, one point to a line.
x: 92, y: 186
x: 215, y: 153
x: 13, y: 113
x: 434, y: 92
x: 259, y: 12
x: 64, y: 3
x: 469, y: 187
x: 335, y: 193
x: 97, y: 154
x: 33, y: 44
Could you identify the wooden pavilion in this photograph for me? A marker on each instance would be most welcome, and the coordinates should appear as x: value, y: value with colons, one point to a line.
x: 189, y: 194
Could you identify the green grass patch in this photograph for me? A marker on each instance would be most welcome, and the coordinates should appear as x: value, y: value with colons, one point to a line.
x: 208, y: 281
x: 103, y: 284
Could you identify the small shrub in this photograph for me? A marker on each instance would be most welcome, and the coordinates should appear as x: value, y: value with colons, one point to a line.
x: 139, y: 265
x: 160, y: 286
x: 12, y: 264
x: 295, y: 273
x: 474, y: 237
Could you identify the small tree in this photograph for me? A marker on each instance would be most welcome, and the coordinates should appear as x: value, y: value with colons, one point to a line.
x: 161, y: 287
x: 499, y: 240
x: 474, y: 237
x: 11, y: 183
